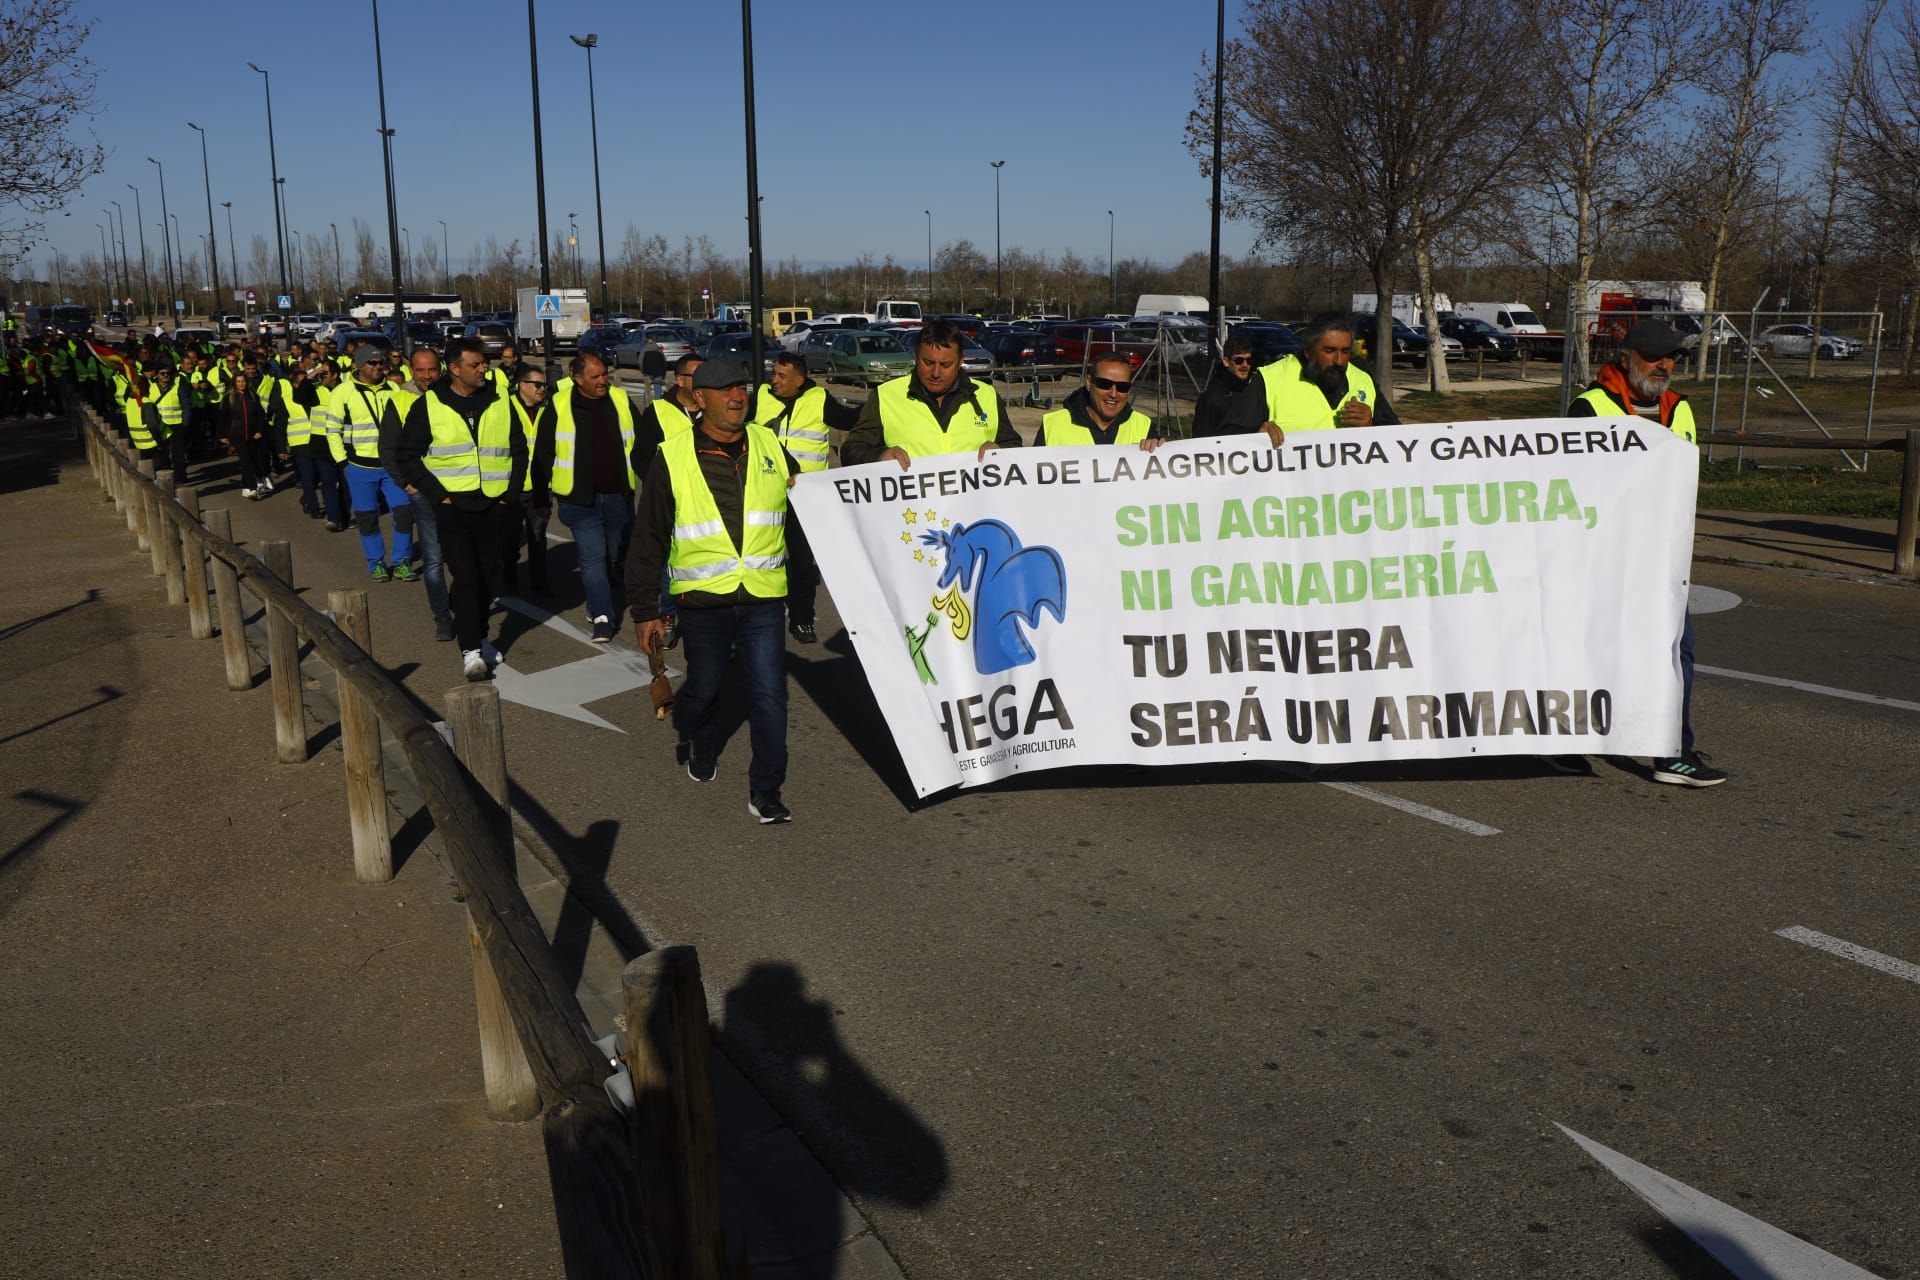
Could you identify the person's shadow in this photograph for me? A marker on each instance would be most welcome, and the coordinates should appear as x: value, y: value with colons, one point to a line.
x: 876, y: 1148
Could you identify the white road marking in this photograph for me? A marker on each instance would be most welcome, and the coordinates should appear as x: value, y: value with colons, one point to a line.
x: 1824, y: 690
x: 1431, y: 814
x: 1851, y: 951
x: 1704, y: 600
x: 566, y: 690
x: 1744, y: 1245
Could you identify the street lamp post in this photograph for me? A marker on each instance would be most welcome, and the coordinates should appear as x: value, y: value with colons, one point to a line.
x: 232, y: 256
x: 1113, y: 279
x: 446, y: 257
x: 273, y: 164
x: 406, y: 263
x: 1213, y: 252
x: 140, y: 225
x: 286, y: 218
x: 393, y: 216
x: 166, y: 238
x: 999, y: 281
x: 126, y: 276
x: 339, y: 287
x: 179, y: 257
x: 540, y: 181
x: 106, y: 259
x: 573, y: 243
x: 213, y: 239
x: 929, y: 214
x: 589, y: 42
x: 756, y: 323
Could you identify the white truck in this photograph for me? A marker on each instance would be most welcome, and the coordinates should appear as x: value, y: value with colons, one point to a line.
x: 896, y: 311
x: 574, y: 319
x: 1516, y: 318
x: 1406, y: 307
x: 1149, y: 305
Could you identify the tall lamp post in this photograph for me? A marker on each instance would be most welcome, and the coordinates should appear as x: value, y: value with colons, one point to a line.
x: 293, y: 238
x: 213, y: 239
x: 929, y: 214
x: 106, y: 259
x: 231, y: 254
x: 273, y: 163
x: 406, y: 262
x: 446, y: 256
x: 540, y: 181
x: 573, y: 243
x: 1213, y: 253
x: 1113, y: 278
x: 179, y: 257
x: 393, y: 217
x: 757, y: 323
x: 339, y: 286
x: 589, y: 42
x: 166, y: 237
x: 126, y: 277
x: 999, y: 281
x: 140, y: 225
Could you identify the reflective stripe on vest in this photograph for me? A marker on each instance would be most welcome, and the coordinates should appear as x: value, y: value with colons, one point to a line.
x: 1605, y: 406
x: 355, y: 427
x: 1058, y: 427
x: 564, y: 435
x: 1294, y: 404
x: 908, y: 423
x: 702, y: 557
x: 801, y: 426
x: 172, y: 412
x: 464, y: 460
x: 299, y: 424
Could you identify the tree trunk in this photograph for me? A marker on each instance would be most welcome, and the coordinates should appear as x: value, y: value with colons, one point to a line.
x: 1437, y: 378
x: 1383, y: 333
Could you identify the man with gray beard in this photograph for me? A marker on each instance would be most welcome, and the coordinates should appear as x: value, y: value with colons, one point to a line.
x: 1636, y: 383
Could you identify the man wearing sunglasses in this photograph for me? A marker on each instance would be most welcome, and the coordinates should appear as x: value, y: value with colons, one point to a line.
x: 1226, y: 408
x: 528, y: 401
x: 1099, y: 412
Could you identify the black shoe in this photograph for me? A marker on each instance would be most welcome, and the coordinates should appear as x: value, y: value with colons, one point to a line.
x: 803, y: 632
x: 603, y: 630
x: 1689, y: 770
x: 443, y: 628
x: 700, y: 766
x: 766, y: 806
x: 334, y: 526
x: 1576, y: 766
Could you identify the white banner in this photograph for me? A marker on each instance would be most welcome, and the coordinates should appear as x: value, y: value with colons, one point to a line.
x: 1476, y: 588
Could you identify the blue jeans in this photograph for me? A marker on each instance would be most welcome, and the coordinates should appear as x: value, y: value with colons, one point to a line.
x: 368, y: 485
x: 309, y: 472
x: 433, y: 567
x: 1686, y: 685
x: 757, y: 634
x: 599, y: 532
x: 332, y: 482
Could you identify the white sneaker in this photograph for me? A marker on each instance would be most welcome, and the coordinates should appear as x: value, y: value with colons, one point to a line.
x: 248, y: 493
x: 474, y: 663
x: 489, y: 654
x: 266, y: 486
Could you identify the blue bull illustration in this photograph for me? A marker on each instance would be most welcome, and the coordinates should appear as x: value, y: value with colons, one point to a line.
x: 1015, y: 584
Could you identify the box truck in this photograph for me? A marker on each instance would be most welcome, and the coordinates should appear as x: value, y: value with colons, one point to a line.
x: 575, y: 318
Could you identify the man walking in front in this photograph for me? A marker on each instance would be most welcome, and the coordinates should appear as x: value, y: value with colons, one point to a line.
x: 424, y: 366
x: 459, y: 445
x: 584, y: 462
x: 713, y: 511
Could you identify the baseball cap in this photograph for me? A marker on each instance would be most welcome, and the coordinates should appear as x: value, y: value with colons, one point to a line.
x: 1654, y: 339
x: 367, y: 353
x: 717, y: 375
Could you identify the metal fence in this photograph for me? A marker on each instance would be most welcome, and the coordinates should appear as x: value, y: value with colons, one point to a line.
x: 1751, y: 372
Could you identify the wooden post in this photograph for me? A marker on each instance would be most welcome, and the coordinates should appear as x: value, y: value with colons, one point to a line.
x: 283, y: 663
x: 676, y: 1144
x: 170, y: 544
x: 480, y: 740
x: 143, y: 513
x: 226, y: 593
x: 360, y: 739
x: 193, y: 565
x: 1907, y: 528
x: 129, y: 492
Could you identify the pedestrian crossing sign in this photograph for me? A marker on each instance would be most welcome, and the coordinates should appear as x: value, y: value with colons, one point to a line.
x: 546, y: 306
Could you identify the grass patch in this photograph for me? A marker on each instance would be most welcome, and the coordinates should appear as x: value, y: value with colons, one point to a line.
x: 1805, y: 490
x: 1532, y: 401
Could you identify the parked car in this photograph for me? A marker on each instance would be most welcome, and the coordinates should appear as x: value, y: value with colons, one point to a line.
x: 1409, y: 343
x: 858, y: 353
x: 602, y: 338
x: 1476, y: 335
x: 117, y: 319
x: 270, y: 324
x: 1271, y: 340
x: 674, y: 340
x: 420, y: 333
x: 451, y: 329
x: 1798, y: 340
x: 193, y: 336
x: 799, y: 329
x: 1018, y: 348
x: 975, y: 360
x: 306, y: 326
x: 714, y: 328
x: 492, y: 335
x: 347, y: 339
x: 1451, y: 348
x: 740, y: 346
x: 233, y: 327
x: 1081, y: 342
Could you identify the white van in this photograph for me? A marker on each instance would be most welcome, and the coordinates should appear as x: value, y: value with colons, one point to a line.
x: 1507, y: 317
x: 1150, y: 305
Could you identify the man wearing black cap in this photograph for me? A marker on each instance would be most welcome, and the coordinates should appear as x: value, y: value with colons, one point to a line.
x: 1635, y: 383
x: 713, y: 510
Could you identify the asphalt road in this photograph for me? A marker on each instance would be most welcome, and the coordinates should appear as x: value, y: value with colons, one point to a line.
x: 1240, y: 1023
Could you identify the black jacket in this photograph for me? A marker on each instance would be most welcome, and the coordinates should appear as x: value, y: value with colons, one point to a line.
x: 1229, y: 406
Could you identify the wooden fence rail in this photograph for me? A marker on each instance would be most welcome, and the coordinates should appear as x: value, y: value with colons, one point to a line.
x: 538, y: 1049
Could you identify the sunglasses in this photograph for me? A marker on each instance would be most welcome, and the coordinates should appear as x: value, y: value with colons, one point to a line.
x: 529, y: 382
x: 1239, y: 359
x: 1108, y: 384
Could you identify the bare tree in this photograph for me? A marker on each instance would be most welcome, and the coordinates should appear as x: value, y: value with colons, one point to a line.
x: 46, y: 90
x: 1429, y: 131
x: 366, y: 270
x: 1848, y: 61
x: 1883, y: 157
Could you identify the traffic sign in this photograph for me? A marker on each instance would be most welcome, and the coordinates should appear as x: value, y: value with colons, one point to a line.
x: 546, y: 306
x: 705, y: 292
x: 251, y: 297
x: 179, y: 305
x: 286, y: 302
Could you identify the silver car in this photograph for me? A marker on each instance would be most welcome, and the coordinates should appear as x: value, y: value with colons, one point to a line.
x: 1797, y: 340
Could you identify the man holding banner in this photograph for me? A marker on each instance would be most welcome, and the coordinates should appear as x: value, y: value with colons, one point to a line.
x: 933, y: 411
x: 1320, y: 388
x: 1635, y: 384
x: 1100, y: 412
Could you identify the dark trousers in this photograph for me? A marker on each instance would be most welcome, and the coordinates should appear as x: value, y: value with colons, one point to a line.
x: 803, y: 577
x: 757, y: 634
x: 309, y: 473
x: 532, y: 531
x: 1686, y: 685
x: 332, y: 483
x: 471, y: 543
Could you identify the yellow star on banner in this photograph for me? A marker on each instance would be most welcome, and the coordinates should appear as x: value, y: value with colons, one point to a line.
x: 905, y: 537
x: 930, y: 516
x: 910, y: 518
x: 919, y: 555
x: 945, y: 522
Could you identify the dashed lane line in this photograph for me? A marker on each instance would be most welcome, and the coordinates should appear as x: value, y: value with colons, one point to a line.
x: 1851, y: 951
x: 1418, y: 810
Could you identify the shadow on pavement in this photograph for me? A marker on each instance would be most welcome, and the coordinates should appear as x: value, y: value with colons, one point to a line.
x: 1872, y: 538
x: 837, y: 685
x: 585, y: 858
x: 67, y: 808
x: 14, y: 629
x: 107, y: 694
x: 26, y: 460
x: 1685, y: 1259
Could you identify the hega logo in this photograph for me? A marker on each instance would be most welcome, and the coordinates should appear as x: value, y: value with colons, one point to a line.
x: 992, y: 585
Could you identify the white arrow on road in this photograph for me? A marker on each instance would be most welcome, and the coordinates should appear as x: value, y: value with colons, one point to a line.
x: 567, y: 689
x: 1743, y: 1244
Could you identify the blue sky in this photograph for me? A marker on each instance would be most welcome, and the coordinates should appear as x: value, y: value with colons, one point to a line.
x: 869, y: 113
